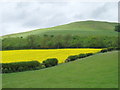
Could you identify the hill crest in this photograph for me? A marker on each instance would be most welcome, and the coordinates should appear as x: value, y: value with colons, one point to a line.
x: 78, y: 25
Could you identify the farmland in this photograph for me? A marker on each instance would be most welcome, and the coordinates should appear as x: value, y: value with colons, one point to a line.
x: 97, y: 71
x: 42, y: 54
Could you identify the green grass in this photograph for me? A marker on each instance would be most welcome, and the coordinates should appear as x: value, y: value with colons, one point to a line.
x: 87, y: 33
x: 0, y: 81
x: 97, y: 71
x: 83, y: 28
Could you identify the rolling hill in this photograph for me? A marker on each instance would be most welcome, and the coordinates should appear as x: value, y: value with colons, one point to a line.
x: 83, y: 28
x: 97, y: 71
x: 82, y: 34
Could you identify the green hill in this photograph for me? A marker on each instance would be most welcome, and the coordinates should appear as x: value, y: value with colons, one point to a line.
x: 82, y: 34
x: 97, y: 71
x: 81, y: 27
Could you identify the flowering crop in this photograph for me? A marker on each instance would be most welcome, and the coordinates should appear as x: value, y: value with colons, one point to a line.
x: 41, y: 54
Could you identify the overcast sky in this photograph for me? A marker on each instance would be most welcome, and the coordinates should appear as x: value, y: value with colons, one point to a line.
x: 24, y: 16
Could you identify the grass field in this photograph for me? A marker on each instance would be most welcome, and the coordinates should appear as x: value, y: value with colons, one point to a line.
x: 42, y: 54
x: 97, y: 71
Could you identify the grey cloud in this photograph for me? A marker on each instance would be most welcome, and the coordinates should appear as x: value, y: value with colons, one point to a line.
x: 100, y: 11
x: 23, y: 16
x: 109, y: 8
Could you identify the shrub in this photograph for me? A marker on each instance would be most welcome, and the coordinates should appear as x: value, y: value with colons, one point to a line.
x: 89, y: 54
x: 0, y: 67
x: 82, y: 55
x: 117, y: 48
x: 117, y: 28
x: 110, y: 48
x: 74, y: 57
x: 20, y: 66
x: 50, y: 62
x: 103, y: 50
x: 43, y: 66
x: 71, y: 58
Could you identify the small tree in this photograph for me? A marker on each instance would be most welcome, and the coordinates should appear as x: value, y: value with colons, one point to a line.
x: 31, y: 40
x: 117, y: 28
x: 50, y: 62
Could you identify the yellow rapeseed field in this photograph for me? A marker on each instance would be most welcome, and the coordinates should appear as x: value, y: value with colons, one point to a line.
x: 41, y: 54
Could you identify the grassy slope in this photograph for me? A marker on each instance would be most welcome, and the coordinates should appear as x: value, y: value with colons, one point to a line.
x: 83, y: 28
x: 98, y: 71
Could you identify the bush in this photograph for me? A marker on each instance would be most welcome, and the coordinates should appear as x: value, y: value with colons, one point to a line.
x: 82, y: 55
x: 0, y: 67
x: 43, y: 66
x: 89, y: 54
x: 50, y: 62
x: 117, y: 48
x: 71, y: 58
x: 117, y: 28
x: 103, y: 50
x: 20, y: 66
x: 110, y: 48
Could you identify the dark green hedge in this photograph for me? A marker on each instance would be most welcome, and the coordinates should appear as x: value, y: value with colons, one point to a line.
x: 75, y: 57
x: 71, y: 58
x: 50, y: 62
x: 20, y: 66
x: 82, y: 55
x: 109, y: 49
x: 0, y: 67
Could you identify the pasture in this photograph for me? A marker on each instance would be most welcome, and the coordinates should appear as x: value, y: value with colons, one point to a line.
x: 97, y: 71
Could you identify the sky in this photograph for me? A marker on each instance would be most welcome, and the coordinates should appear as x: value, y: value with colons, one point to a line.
x: 18, y: 17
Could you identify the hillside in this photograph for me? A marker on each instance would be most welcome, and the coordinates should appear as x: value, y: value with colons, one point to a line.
x: 81, y: 27
x: 83, y: 34
x: 97, y: 71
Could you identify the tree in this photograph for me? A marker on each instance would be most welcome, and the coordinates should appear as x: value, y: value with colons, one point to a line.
x: 117, y: 28
x: 31, y: 39
x: 58, y: 41
x: 67, y: 38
